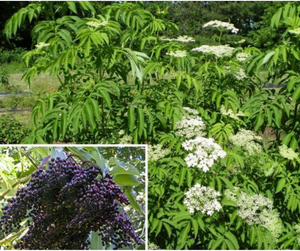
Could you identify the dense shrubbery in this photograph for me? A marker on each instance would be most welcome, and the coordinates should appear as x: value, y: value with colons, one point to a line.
x: 123, y: 82
x: 8, y: 56
x: 12, y: 131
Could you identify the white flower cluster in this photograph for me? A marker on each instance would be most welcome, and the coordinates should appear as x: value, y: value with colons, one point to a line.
x: 246, y: 138
x: 190, y: 125
x: 242, y: 56
x: 220, y: 24
x: 204, y: 152
x: 153, y: 246
x: 191, y: 111
x: 270, y: 219
x: 97, y: 24
x: 177, y: 54
x: 288, y: 153
x: 230, y: 113
x: 141, y: 197
x: 250, y: 207
x: 297, y: 229
x: 295, y: 31
x: 183, y: 39
x: 203, y: 199
x: 217, y: 50
x: 238, y: 73
x: 124, y: 138
x: 41, y: 45
x: 157, y: 152
x: 256, y: 209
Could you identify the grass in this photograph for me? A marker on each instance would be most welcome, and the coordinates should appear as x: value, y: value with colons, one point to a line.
x: 13, y: 67
x: 39, y: 86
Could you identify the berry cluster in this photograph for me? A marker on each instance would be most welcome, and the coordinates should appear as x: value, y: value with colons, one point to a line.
x: 63, y: 203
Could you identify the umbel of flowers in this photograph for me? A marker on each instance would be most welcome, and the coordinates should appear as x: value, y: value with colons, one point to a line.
x: 217, y: 50
x: 203, y: 199
x: 203, y: 153
x: 221, y: 25
x: 256, y: 210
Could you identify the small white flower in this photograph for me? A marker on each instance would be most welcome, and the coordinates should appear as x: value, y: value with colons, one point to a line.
x: 183, y: 39
x: 242, y: 56
x: 256, y: 210
x: 295, y: 31
x: 96, y: 24
x: 126, y: 139
x: 230, y: 113
x: 288, y: 153
x: 247, y: 139
x: 156, y: 152
x: 41, y: 45
x: 190, y: 125
x: 177, y: 54
x: 121, y: 132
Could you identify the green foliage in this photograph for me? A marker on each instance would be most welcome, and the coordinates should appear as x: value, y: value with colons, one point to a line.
x: 8, y: 56
x: 12, y: 131
x: 121, y: 81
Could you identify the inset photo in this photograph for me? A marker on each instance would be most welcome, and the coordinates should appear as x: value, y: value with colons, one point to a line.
x: 72, y: 197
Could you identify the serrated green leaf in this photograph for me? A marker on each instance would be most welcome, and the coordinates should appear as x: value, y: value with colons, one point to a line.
x: 296, y: 94
x: 131, y: 118
x: 233, y: 240
x: 184, y: 233
x: 217, y: 243
x: 168, y: 229
x: 141, y: 122
x: 195, y: 227
x: 280, y: 185
x: 88, y: 114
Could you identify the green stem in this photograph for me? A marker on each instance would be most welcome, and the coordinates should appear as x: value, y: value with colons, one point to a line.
x: 20, y: 181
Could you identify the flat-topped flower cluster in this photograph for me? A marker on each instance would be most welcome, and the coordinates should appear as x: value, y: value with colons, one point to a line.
x: 230, y: 113
x: 223, y: 25
x: 217, y: 50
x: 288, y: 153
x: 256, y: 210
x: 182, y: 39
x: 203, y: 199
x: 177, y: 54
x: 203, y: 152
x: 156, y: 152
x: 248, y: 140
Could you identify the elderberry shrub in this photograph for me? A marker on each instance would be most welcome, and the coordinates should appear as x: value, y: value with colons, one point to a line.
x: 63, y: 203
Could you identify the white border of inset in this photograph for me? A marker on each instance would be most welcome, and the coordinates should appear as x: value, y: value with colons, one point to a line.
x: 103, y: 145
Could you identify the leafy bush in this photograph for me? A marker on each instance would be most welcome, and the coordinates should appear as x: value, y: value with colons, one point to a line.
x: 214, y: 181
x: 8, y: 56
x: 12, y: 131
